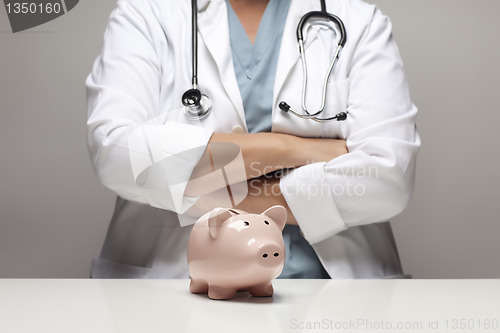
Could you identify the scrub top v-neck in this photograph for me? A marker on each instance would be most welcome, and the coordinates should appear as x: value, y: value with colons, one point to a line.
x: 255, y: 68
x: 255, y: 64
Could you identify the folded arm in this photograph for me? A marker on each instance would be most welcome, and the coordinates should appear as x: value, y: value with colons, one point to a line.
x: 263, y: 154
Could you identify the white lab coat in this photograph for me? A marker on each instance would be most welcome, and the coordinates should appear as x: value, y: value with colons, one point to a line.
x: 341, y: 206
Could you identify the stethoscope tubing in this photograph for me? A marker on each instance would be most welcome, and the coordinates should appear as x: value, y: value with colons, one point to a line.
x: 194, y: 41
x: 196, y: 105
x: 340, y: 44
x: 328, y: 17
x: 325, y: 82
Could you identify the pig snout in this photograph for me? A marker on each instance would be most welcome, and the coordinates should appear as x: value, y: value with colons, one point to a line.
x: 270, y: 255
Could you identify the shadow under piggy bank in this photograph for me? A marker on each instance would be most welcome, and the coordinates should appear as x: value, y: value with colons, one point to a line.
x: 245, y: 297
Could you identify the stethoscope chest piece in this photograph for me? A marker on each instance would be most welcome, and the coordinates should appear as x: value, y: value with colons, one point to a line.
x: 196, y: 105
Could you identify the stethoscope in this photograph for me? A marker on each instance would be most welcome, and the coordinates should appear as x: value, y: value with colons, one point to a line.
x: 198, y: 105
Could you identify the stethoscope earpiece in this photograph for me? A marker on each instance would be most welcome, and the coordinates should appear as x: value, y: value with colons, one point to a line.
x: 341, y: 116
x: 284, y: 106
x: 338, y: 117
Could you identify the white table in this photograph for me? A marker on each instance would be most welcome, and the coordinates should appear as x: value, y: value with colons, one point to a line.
x: 148, y: 306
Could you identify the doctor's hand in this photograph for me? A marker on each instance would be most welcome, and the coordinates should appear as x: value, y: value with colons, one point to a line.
x: 264, y: 192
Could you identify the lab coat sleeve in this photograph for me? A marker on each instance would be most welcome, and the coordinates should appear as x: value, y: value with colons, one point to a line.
x: 134, y: 150
x: 374, y: 181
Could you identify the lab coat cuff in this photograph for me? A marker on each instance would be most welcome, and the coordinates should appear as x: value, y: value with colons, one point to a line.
x: 310, y: 200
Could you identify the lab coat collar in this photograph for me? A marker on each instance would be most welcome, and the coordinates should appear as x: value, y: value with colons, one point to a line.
x: 214, y: 28
x: 203, y: 4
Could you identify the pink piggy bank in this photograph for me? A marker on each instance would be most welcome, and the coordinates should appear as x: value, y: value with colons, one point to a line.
x: 231, y: 250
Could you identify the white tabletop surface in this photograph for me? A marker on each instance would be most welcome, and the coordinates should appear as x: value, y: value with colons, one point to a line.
x: 139, y: 306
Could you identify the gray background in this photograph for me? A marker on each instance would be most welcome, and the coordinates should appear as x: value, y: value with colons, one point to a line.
x: 54, y: 213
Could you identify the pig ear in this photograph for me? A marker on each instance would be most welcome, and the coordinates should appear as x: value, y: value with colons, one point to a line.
x: 277, y: 214
x: 217, y: 217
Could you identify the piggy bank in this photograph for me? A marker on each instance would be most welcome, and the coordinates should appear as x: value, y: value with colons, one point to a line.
x: 231, y: 250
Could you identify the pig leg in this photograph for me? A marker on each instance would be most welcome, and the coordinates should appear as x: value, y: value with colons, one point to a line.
x: 218, y: 292
x: 198, y: 286
x: 265, y: 289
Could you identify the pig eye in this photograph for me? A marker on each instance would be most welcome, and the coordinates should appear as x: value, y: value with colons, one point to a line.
x: 246, y: 223
x: 266, y: 222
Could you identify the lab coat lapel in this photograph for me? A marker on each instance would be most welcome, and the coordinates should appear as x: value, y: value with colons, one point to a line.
x: 214, y: 29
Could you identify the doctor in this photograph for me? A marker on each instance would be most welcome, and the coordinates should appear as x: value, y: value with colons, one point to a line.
x: 344, y: 179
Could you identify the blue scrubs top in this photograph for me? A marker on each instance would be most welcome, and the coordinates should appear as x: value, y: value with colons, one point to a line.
x: 255, y: 67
